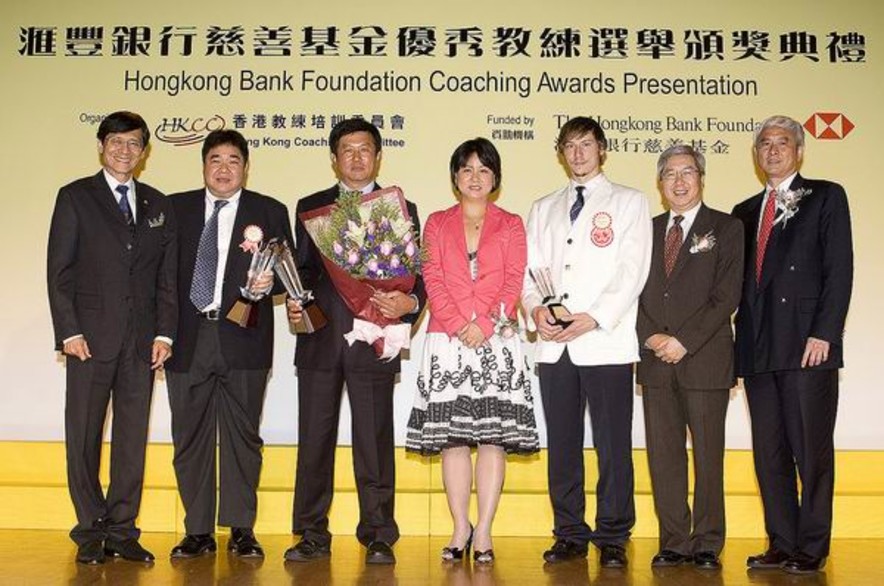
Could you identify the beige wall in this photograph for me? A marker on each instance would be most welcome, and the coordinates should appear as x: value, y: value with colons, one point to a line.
x: 50, y: 105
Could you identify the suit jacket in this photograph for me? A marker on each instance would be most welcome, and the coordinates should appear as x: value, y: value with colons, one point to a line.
x: 694, y: 304
x: 806, y: 281
x: 243, y: 348
x: 326, y: 348
x: 501, y: 255
x: 601, y: 280
x: 98, y: 268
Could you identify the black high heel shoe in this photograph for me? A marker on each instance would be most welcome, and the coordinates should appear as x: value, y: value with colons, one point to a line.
x: 455, y: 554
x: 484, y: 557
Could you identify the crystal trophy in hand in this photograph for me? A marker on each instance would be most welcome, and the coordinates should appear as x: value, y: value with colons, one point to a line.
x: 542, y: 277
x: 245, y: 310
x: 287, y: 271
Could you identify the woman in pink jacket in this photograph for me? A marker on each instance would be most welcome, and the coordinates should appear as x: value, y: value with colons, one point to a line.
x: 474, y: 388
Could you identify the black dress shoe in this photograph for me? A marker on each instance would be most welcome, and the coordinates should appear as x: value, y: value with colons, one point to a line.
x: 91, y: 553
x: 193, y: 546
x: 379, y: 552
x: 772, y: 559
x: 128, y: 549
x: 307, y: 550
x: 668, y: 558
x: 565, y: 551
x: 801, y: 563
x: 613, y: 556
x: 706, y: 560
x: 455, y: 554
x: 243, y: 543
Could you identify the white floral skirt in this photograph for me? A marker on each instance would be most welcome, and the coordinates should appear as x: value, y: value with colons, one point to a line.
x: 470, y: 397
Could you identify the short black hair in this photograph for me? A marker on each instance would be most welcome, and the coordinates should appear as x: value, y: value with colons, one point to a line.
x: 482, y: 148
x: 123, y: 121
x: 350, y: 126
x: 580, y: 126
x: 226, y: 136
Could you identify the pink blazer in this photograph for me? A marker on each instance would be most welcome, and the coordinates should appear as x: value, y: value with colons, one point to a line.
x: 453, y: 296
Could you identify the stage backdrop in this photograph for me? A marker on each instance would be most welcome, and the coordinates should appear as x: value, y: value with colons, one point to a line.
x: 429, y: 75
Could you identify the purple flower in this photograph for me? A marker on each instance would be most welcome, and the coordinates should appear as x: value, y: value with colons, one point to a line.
x: 410, y: 249
x: 339, y: 250
x: 394, y: 262
x: 373, y: 265
x: 386, y: 247
x: 353, y: 257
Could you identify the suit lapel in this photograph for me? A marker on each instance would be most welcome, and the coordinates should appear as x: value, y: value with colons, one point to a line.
x: 106, y: 200
x: 658, y: 262
x: 777, y: 244
x: 699, y: 227
x: 238, y: 261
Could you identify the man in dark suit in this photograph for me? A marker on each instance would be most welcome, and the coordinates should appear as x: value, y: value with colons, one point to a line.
x: 218, y: 375
x: 111, y: 276
x: 686, y: 368
x: 796, y: 291
x: 325, y: 362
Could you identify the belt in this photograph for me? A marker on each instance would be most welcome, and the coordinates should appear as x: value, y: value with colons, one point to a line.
x: 211, y: 315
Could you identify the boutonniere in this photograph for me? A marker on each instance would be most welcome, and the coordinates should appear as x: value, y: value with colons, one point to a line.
x: 158, y: 221
x: 703, y: 243
x: 503, y: 326
x: 252, y: 237
x: 787, y: 204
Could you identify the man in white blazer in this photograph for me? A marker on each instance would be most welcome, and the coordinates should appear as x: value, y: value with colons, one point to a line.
x: 594, y: 238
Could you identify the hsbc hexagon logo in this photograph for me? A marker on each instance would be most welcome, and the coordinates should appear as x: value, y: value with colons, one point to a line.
x: 828, y: 125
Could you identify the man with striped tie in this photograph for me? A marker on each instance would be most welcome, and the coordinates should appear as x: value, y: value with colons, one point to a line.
x: 593, y: 237
x: 789, y: 328
x: 111, y: 274
x: 218, y: 375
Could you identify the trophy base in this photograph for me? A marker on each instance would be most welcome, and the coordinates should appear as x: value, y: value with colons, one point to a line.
x: 559, y: 311
x: 312, y: 319
x: 244, y: 313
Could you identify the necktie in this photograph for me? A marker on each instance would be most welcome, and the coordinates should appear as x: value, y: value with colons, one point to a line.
x: 674, y: 239
x: 767, y: 220
x: 202, y: 288
x: 123, y: 190
x: 578, y: 203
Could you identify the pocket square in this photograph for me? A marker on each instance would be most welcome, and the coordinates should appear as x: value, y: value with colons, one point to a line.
x: 157, y: 222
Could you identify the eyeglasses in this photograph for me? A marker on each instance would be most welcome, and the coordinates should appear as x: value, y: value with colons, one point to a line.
x: 688, y: 174
x: 118, y: 143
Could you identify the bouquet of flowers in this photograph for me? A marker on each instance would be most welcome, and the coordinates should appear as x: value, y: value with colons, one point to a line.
x: 368, y: 244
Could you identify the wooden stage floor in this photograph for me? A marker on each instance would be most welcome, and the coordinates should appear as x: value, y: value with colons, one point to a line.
x: 47, y: 558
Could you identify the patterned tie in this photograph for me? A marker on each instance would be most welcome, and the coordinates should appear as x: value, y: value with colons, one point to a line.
x: 674, y: 239
x: 767, y: 220
x: 202, y: 288
x: 578, y: 203
x: 123, y: 190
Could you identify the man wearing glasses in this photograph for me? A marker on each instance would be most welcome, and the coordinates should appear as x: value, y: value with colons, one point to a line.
x: 112, y: 293
x: 687, y: 357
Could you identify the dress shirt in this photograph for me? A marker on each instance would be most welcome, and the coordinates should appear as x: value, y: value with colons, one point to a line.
x: 130, y: 195
x: 226, y: 219
x: 687, y: 221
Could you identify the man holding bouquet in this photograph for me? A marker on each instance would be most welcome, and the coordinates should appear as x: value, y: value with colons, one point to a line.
x: 326, y: 360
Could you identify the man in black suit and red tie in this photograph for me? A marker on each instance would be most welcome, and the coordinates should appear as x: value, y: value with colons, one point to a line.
x: 111, y: 275
x: 687, y: 356
x: 326, y: 362
x: 790, y: 324
x: 218, y: 375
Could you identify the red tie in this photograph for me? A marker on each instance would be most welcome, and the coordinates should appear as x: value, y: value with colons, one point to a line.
x: 674, y: 239
x: 767, y: 220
